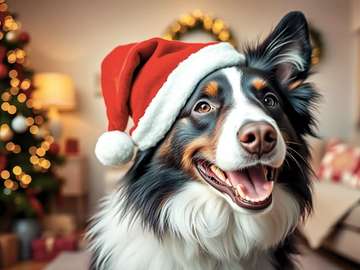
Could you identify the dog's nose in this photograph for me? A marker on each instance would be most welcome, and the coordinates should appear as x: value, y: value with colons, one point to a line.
x: 257, y: 137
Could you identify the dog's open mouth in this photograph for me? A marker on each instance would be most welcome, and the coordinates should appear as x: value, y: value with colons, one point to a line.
x: 249, y: 188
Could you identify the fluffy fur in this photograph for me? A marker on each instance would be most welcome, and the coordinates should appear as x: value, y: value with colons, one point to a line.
x: 164, y: 216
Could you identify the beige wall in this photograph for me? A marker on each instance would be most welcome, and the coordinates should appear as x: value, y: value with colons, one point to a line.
x: 73, y: 37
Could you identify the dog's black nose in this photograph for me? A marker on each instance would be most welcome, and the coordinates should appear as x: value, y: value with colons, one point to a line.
x: 257, y: 137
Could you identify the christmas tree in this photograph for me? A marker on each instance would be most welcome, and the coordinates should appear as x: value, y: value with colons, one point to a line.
x: 27, y: 149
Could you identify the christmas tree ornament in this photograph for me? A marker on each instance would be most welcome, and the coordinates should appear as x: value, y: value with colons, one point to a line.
x: 54, y: 149
x: 3, y: 71
x: 24, y: 37
x: 6, y: 133
x: 2, y: 52
x: 18, y: 124
x: 3, y: 162
x: 12, y: 36
x: 141, y: 81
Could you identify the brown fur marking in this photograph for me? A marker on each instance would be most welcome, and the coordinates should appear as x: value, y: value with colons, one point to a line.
x: 258, y: 83
x: 211, y: 89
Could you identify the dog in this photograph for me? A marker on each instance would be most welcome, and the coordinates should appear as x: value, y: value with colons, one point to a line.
x: 228, y: 184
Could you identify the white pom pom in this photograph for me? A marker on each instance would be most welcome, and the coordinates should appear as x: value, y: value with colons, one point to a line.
x: 114, y: 148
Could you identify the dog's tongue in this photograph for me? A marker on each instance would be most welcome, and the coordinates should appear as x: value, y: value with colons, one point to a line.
x: 252, y: 182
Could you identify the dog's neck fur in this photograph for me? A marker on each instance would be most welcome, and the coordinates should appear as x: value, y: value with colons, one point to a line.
x: 205, y: 233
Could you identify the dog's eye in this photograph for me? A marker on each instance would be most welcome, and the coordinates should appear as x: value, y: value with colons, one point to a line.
x: 203, y: 107
x: 270, y: 100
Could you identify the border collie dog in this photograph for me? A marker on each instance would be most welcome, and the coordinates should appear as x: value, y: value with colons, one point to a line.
x: 227, y: 186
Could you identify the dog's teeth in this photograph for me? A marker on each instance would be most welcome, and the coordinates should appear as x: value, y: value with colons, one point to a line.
x: 227, y: 181
x: 241, y: 190
x: 218, y: 172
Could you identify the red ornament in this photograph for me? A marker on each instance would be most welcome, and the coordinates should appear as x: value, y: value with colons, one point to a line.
x: 3, y: 71
x: 24, y: 37
x: 3, y: 162
x: 2, y: 52
x: 54, y: 148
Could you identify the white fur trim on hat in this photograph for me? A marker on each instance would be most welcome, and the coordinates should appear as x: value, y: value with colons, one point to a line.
x: 164, y: 108
x: 114, y: 148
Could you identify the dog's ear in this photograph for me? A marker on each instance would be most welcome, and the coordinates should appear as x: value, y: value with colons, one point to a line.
x: 286, y: 52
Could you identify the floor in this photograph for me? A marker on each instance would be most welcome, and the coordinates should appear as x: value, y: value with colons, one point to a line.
x: 310, y: 260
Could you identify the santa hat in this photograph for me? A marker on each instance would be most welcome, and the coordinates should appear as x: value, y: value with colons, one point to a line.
x: 150, y: 82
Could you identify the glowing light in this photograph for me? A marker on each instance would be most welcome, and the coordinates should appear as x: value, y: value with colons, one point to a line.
x: 218, y: 26
x: 8, y: 183
x: 30, y: 121
x: 3, y: 7
x: 14, y: 90
x: 20, y: 53
x: 6, y: 96
x: 25, y: 84
x: 21, y: 97
x: 49, y: 139
x: 10, y: 146
x: 17, y: 170
x: 15, y: 186
x: 39, y: 120
x: 26, y: 179
x: 45, y: 145
x: 29, y: 103
x: 12, y: 109
x: 45, y: 164
x: 34, y: 129
x: 34, y: 160
x: 5, y: 106
x: 13, y: 73
x: 40, y: 152
x: 17, y: 149
x: 5, y: 174
x: 14, y: 82
x: 11, y: 57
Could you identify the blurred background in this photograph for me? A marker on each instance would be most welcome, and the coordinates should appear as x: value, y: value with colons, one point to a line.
x: 50, y: 179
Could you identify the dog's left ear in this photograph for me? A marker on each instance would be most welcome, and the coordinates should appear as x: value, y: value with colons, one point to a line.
x: 286, y: 52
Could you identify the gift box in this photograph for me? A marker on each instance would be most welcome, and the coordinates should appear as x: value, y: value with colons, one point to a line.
x: 9, y: 249
x: 47, y: 248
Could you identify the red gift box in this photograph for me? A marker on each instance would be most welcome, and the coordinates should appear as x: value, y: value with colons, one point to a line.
x: 46, y: 249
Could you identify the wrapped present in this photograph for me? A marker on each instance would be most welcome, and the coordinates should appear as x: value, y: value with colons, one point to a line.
x: 59, y: 224
x: 47, y: 248
x: 9, y: 249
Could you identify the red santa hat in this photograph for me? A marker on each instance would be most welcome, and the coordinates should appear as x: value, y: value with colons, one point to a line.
x: 150, y: 82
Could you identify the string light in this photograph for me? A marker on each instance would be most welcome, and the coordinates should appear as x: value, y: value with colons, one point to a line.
x: 34, y: 160
x: 26, y: 179
x: 29, y: 103
x: 25, y: 84
x: 45, y: 164
x: 14, y: 82
x: 39, y: 120
x: 30, y: 121
x: 14, y: 91
x: 17, y: 170
x: 32, y: 150
x: 6, y: 96
x: 17, y: 149
x: 11, y: 57
x: 10, y: 146
x: 21, y: 97
x: 34, y: 129
x: 12, y: 109
x: 5, y: 174
x: 13, y: 73
x: 8, y: 183
x: 5, y: 106
x: 40, y: 152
